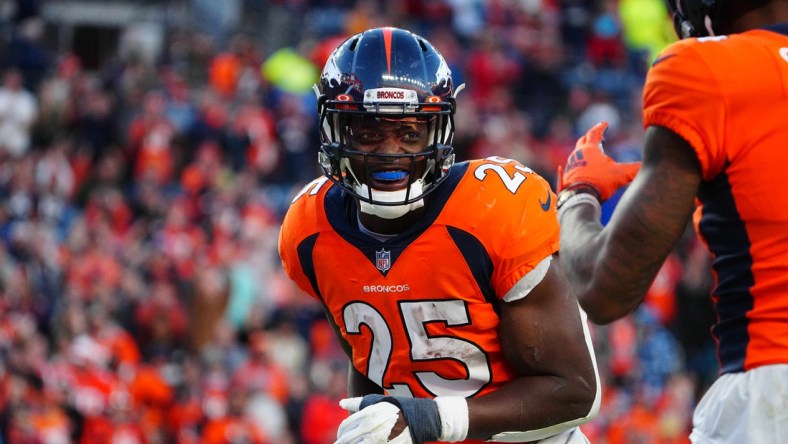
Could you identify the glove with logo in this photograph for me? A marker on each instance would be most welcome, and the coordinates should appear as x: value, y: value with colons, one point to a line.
x: 590, y: 169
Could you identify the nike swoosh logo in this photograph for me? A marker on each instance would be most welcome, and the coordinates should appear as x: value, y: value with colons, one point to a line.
x: 659, y: 59
x: 546, y: 205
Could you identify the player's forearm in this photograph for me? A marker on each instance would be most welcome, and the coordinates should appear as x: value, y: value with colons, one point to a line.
x: 545, y: 340
x: 612, y: 268
x: 533, y: 408
x: 594, y: 266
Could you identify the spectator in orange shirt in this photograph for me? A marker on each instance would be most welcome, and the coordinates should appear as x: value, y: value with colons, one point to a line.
x: 233, y: 427
x: 151, y: 396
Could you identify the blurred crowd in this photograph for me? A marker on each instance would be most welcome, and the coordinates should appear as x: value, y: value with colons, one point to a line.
x: 141, y: 295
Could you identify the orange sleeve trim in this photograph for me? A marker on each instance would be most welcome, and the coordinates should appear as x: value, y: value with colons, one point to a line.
x: 688, y: 132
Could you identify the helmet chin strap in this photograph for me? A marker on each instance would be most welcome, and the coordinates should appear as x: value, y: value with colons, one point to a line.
x: 707, y: 24
x: 391, y: 211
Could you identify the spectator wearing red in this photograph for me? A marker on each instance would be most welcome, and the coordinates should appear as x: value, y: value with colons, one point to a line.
x: 322, y: 415
x: 150, y: 141
x: 185, y: 416
x: 260, y: 373
x: 120, y: 344
x: 162, y: 322
x: 233, y: 426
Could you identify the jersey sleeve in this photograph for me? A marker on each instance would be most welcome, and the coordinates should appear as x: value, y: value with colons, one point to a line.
x: 513, y: 214
x: 682, y: 94
x: 291, y: 262
x: 298, y: 235
x: 529, y: 234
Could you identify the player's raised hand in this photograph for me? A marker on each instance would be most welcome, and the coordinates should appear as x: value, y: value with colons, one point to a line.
x: 589, y: 166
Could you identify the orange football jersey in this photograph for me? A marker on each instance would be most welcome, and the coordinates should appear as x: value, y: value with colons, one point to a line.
x: 728, y: 97
x: 420, y: 310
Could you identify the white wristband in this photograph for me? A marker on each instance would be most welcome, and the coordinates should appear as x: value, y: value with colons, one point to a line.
x: 453, y: 411
x: 577, y: 199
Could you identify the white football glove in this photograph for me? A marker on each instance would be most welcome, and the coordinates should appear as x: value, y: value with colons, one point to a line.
x: 352, y: 405
x: 372, y: 425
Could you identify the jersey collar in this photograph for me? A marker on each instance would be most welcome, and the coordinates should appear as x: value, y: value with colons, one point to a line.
x: 341, y: 211
x: 780, y: 28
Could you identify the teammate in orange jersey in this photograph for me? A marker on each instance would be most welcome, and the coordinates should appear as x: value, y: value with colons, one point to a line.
x: 716, y: 113
x: 439, y: 279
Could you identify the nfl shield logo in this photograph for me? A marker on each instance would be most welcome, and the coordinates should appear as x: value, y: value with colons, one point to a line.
x: 383, y: 260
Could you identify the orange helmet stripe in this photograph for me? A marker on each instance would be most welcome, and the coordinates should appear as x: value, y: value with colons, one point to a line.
x: 387, y: 32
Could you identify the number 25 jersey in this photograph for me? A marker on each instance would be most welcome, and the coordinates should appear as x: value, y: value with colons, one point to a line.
x: 420, y: 310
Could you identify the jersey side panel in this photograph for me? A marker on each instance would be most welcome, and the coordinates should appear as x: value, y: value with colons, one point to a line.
x: 758, y: 134
x: 740, y: 136
x: 302, y: 224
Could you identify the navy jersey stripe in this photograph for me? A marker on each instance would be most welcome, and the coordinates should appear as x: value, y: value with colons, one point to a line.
x: 723, y: 228
x: 478, y: 261
x: 780, y: 28
x: 306, y: 259
x: 341, y: 211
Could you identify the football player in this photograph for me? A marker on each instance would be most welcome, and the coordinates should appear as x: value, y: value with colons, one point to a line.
x: 439, y: 278
x: 716, y: 116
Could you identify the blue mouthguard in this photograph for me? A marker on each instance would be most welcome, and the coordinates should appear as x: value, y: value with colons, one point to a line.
x: 389, y: 175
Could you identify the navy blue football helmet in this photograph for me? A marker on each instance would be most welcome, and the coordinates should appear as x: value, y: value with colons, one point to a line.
x: 390, y: 74
x: 694, y: 18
